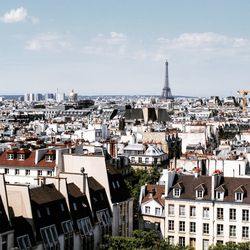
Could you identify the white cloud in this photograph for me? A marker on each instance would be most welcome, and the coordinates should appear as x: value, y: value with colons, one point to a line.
x: 196, y: 45
x: 48, y: 41
x: 113, y: 38
x: 206, y: 40
x: 112, y: 44
x: 15, y: 15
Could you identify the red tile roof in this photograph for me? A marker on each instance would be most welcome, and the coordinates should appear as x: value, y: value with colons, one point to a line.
x: 28, y: 162
x: 154, y: 192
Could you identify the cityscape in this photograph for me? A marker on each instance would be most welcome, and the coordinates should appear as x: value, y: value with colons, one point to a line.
x: 137, y: 138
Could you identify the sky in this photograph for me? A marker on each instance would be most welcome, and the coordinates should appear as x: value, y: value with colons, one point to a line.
x: 117, y: 47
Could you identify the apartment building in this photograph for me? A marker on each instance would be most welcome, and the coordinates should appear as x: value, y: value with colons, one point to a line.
x: 205, y: 210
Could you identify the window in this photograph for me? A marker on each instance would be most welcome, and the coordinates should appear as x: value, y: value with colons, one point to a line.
x: 48, y: 211
x: 49, y: 236
x: 84, y: 226
x: 10, y: 156
x: 192, y: 211
x: 27, y: 172
x: 205, y: 228
x: 192, y: 228
x: 4, y: 243
x: 220, y: 213
x: 219, y: 229
x: 205, y: 245
x: 117, y: 184
x: 199, y: 194
x: 147, y: 210
x: 113, y: 184
x: 24, y: 242
x: 17, y: 171
x: 67, y: 227
x: 182, y: 241
x: 205, y: 212
x: 132, y: 159
x: 171, y: 240
x: 239, y: 196
x: 49, y: 157
x: 103, y: 216
x: 170, y: 209
x: 171, y: 225
x: 74, y: 206
x: 181, y: 210
x: 146, y: 160
x: 21, y: 157
x: 140, y: 160
x: 182, y: 226
x: 39, y: 172
x: 219, y: 195
x: 157, y: 211
x: 177, y: 192
x: 245, y: 215
x: 245, y: 232
x: 49, y: 173
x: 62, y: 207
x: 232, y: 214
x: 38, y: 213
x: 232, y: 231
x: 6, y: 171
x: 192, y: 243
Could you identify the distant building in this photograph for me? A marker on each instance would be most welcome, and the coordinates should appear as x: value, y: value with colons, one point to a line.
x: 72, y: 96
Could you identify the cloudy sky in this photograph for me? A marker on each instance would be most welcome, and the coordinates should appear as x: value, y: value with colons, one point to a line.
x: 120, y: 47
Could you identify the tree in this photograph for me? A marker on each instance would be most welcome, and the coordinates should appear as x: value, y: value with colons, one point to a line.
x: 141, y: 240
x: 231, y: 246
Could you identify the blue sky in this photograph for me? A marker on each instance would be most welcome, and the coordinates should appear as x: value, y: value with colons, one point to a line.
x: 119, y: 47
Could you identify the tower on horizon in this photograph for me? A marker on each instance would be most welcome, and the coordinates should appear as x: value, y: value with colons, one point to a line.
x: 166, y: 91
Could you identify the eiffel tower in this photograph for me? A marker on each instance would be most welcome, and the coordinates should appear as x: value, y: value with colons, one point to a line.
x: 166, y: 91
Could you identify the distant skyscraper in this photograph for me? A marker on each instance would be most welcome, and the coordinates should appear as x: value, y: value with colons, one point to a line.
x: 166, y: 91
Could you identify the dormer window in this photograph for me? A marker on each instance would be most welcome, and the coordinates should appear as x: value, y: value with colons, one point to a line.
x: 239, y: 193
x: 10, y: 156
x: 177, y: 189
x: 200, y: 191
x: 21, y: 157
x: 49, y: 157
x: 220, y: 192
x: 219, y: 195
x: 177, y: 192
x: 199, y: 194
x: 239, y: 196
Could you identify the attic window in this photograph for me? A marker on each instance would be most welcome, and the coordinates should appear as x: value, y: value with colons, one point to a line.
x: 199, y: 194
x: 84, y: 226
x: 239, y: 196
x: 24, y: 242
x: 50, y: 236
x: 49, y: 158
x: 10, y: 156
x: 21, y: 157
x: 219, y: 195
x: 67, y: 227
x: 177, y: 192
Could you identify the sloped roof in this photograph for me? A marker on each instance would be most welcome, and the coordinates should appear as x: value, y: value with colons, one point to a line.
x: 155, y: 192
x: 190, y: 184
x: 45, y: 194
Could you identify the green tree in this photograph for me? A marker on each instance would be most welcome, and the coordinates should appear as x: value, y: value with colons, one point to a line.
x: 231, y: 246
x: 140, y: 240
